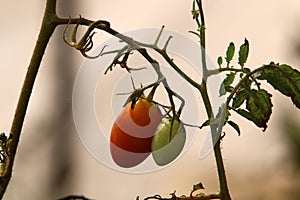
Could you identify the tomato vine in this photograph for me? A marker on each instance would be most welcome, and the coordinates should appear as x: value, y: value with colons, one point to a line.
x: 241, y: 85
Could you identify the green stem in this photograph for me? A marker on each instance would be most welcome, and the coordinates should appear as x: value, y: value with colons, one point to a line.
x: 224, y: 191
x: 47, y: 28
x: 169, y: 60
x: 217, y: 71
x: 203, y: 91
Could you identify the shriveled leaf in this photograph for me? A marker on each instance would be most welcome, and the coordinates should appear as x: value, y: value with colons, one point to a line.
x: 259, y: 108
x: 243, y: 53
x: 240, y: 98
x: 235, y: 126
x: 230, y: 52
x: 284, y: 79
x: 198, y: 186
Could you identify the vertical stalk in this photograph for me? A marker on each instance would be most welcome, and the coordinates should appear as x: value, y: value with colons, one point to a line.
x: 224, y: 191
x: 47, y: 28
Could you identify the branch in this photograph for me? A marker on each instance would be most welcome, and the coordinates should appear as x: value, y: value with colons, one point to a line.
x: 74, y: 197
x: 200, y: 196
x: 105, y: 26
x: 47, y: 28
x: 205, y: 197
x: 83, y: 47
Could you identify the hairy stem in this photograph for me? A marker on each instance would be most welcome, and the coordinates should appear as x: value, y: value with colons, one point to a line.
x: 224, y: 191
x: 47, y: 28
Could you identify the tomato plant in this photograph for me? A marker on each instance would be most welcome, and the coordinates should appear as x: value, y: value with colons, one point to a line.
x: 168, y: 141
x: 132, y: 136
x: 132, y: 132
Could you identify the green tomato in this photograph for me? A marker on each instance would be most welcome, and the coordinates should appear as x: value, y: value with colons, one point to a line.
x: 168, y: 141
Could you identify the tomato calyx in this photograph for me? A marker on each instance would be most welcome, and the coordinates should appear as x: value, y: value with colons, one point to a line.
x: 139, y: 93
x: 134, y: 97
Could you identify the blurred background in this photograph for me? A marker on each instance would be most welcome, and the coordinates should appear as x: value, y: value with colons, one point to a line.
x: 51, y: 161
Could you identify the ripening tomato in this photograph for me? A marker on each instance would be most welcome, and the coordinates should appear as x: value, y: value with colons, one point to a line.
x: 168, y: 141
x: 132, y: 132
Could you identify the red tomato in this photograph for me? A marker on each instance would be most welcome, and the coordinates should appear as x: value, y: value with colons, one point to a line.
x: 132, y: 132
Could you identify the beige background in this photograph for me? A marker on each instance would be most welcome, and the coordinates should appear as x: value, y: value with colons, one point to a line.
x: 257, y: 163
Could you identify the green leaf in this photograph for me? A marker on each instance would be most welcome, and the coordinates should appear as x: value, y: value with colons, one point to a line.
x: 212, y: 121
x: 243, y: 53
x: 206, y: 123
x: 240, y: 98
x: 194, y: 5
x: 230, y: 52
x: 235, y: 126
x: 246, y: 114
x: 195, y: 33
x: 229, y: 88
x: 220, y: 61
x: 260, y: 105
x: 195, y: 13
x: 259, y: 108
x: 225, y: 86
x: 284, y: 79
x: 229, y: 79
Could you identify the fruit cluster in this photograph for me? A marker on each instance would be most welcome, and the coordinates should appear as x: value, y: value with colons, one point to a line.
x: 141, y: 130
